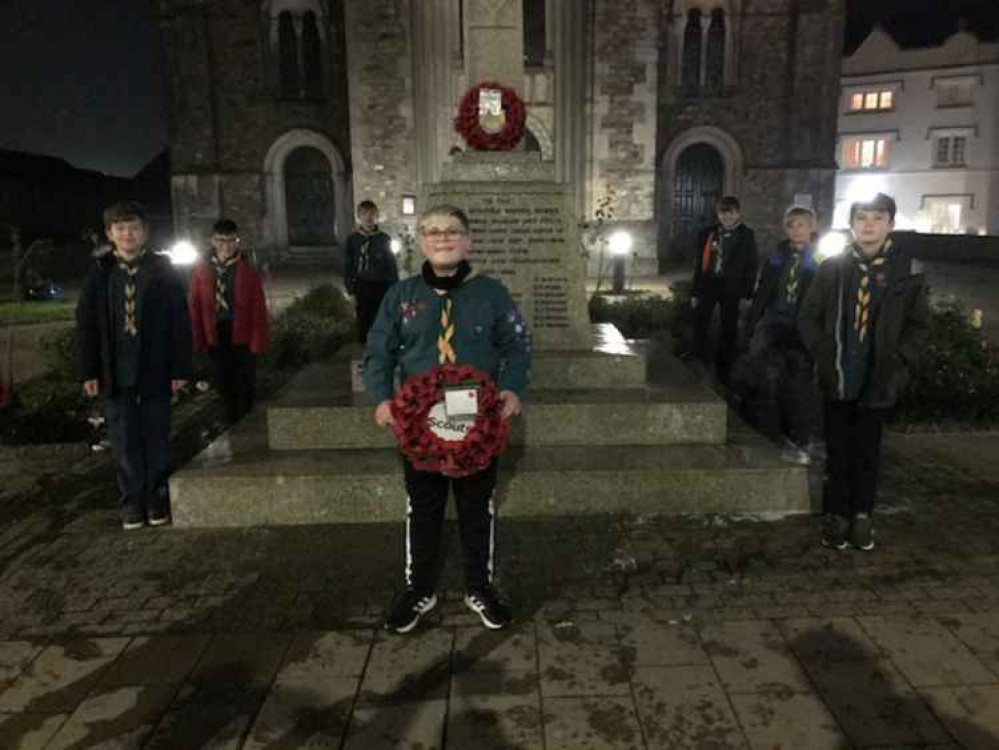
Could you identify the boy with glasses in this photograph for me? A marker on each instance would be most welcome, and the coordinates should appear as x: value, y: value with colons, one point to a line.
x: 229, y: 317
x: 447, y: 315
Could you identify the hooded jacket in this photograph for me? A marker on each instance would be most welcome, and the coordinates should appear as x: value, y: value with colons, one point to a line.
x: 901, y: 327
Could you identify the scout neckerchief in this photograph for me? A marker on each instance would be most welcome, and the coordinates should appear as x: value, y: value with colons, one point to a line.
x: 794, y: 275
x: 363, y: 256
x: 865, y: 266
x: 131, y: 269
x: 443, y: 285
x: 220, y: 267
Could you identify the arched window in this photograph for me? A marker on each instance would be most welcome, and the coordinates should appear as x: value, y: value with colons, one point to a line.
x: 291, y: 82
x: 690, y: 75
x: 312, y: 57
x: 534, y: 33
x: 714, y: 74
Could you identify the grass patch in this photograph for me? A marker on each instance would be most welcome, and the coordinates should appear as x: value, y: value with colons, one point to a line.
x: 50, y: 311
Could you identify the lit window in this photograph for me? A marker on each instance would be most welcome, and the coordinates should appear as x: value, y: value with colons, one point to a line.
x: 946, y: 214
x: 865, y: 153
x: 872, y: 101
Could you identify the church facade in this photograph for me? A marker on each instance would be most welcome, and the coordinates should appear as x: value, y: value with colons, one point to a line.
x: 285, y: 112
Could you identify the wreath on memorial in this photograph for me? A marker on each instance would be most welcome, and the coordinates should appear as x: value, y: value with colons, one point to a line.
x: 423, y: 448
x: 488, y: 125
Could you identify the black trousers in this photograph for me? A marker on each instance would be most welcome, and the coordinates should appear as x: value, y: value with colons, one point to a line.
x: 235, y: 373
x: 425, y: 513
x: 712, y: 294
x: 853, y: 457
x: 784, y: 402
x: 368, y: 296
x: 139, y: 429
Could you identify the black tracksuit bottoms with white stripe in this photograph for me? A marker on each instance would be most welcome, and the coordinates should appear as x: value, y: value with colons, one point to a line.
x: 425, y: 511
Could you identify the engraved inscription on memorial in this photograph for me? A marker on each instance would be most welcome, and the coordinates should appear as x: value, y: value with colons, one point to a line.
x: 521, y: 240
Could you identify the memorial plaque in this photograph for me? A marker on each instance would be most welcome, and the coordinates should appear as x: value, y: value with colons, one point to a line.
x: 524, y: 234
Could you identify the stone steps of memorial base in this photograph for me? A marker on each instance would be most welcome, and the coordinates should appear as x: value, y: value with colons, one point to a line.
x: 636, y: 416
x: 240, y: 482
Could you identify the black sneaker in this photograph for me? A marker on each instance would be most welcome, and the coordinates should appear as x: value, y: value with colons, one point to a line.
x: 834, y: 530
x: 159, y: 508
x: 408, y: 609
x: 862, y: 532
x: 132, y: 517
x: 493, y: 611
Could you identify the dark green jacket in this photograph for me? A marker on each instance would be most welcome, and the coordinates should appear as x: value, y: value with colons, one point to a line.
x: 490, y: 334
x: 901, y: 327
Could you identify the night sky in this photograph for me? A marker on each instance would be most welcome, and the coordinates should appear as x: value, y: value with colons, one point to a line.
x: 83, y: 79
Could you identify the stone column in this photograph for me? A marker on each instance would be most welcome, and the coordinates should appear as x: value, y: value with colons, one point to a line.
x: 569, y: 30
x: 494, y: 42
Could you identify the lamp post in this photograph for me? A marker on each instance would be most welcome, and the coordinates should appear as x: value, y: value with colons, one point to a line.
x: 620, y: 245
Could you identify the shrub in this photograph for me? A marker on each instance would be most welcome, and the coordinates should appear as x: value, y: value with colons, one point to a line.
x: 639, y: 317
x: 955, y: 381
x: 59, y: 351
x: 310, y: 328
x: 46, y: 410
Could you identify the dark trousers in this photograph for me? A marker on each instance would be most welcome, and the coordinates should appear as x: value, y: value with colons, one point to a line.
x: 368, y: 296
x: 235, y: 373
x: 710, y: 295
x: 139, y: 429
x: 853, y: 456
x: 782, y: 375
x: 425, y: 512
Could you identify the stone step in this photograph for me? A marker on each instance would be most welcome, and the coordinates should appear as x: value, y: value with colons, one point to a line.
x: 655, y: 415
x: 612, y: 363
x: 239, y: 481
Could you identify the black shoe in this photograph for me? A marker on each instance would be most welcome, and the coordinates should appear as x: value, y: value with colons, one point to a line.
x: 834, y: 529
x: 408, y: 609
x: 159, y: 509
x: 485, y: 602
x: 862, y: 532
x: 132, y: 517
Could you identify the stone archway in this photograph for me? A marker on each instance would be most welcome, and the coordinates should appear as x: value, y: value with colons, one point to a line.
x: 276, y: 223
x: 537, y: 128
x: 699, y: 161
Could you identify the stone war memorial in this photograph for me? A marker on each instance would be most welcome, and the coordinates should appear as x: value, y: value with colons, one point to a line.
x: 607, y: 427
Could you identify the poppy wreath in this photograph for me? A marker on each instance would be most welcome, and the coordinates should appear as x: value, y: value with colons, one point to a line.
x: 467, y: 120
x: 423, y: 448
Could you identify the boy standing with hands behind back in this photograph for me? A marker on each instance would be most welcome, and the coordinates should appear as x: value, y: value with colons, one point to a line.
x: 133, y: 340
x: 865, y: 320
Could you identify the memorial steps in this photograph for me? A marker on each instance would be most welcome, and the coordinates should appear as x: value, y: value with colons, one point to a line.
x: 599, y: 435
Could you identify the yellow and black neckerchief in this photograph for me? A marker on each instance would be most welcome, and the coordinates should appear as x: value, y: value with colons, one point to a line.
x: 131, y: 269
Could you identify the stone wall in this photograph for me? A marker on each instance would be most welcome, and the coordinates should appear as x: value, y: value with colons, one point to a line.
x: 225, y: 114
x: 379, y: 52
x: 779, y: 112
x: 625, y: 71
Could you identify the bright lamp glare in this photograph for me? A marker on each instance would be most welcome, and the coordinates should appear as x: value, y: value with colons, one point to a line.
x: 620, y: 243
x: 183, y: 253
x: 396, y: 246
x: 831, y: 244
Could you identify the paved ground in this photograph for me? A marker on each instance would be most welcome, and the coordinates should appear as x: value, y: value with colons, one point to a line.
x: 633, y: 632
x: 641, y: 632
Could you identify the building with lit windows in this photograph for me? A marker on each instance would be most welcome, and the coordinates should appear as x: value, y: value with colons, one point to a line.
x: 922, y: 125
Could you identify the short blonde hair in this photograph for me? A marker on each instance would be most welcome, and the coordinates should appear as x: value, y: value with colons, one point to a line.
x: 444, y: 209
x: 795, y: 211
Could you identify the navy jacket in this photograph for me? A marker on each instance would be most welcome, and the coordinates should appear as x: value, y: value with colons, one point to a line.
x: 164, y: 328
